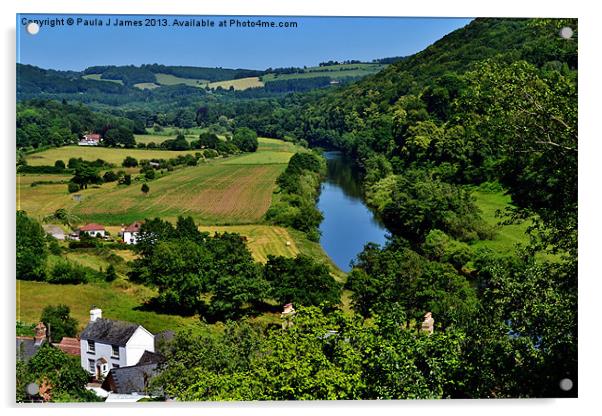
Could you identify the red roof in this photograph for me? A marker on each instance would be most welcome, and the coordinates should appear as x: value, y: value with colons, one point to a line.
x: 94, y: 137
x: 134, y: 227
x: 69, y: 346
x: 92, y: 227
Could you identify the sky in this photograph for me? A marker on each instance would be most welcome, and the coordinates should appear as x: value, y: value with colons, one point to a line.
x: 314, y: 40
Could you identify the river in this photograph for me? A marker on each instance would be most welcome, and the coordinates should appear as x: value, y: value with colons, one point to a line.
x: 348, y: 223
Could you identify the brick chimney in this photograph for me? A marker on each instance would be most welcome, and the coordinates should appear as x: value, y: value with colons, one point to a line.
x: 40, y: 333
x: 95, y: 313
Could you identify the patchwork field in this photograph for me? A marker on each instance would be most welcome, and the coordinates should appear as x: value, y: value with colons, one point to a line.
x: 111, y: 155
x: 236, y: 190
x: 211, y: 194
x: 238, y: 84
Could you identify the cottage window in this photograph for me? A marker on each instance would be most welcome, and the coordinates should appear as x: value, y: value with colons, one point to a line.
x: 91, y: 346
x: 91, y: 366
x: 115, y: 365
x: 115, y: 350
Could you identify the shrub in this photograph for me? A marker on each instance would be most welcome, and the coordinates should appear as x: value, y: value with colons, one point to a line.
x: 72, y: 187
x: 66, y: 273
x: 110, y: 176
x: 129, y: 162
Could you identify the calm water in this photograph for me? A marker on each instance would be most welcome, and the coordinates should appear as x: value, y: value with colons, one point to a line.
x: 348, y: 223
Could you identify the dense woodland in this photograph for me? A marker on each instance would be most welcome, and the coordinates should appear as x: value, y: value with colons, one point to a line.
x: 493, y: 103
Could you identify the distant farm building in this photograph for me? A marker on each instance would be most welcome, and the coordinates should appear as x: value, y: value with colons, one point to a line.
x: 130, y: 234
x: 91, y: 139
x: 93, y: 230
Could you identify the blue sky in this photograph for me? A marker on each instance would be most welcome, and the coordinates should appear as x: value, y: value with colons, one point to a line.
x: 316, y: 39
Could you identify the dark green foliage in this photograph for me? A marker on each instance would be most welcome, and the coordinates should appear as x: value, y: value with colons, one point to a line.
x: 185, y: 264
x: 58, y: 322
x: 179, y: 143
x: 42, y: 169
x: 120, y: 136
x: 110, y: 176
x: 110, y: 273
x: 72, y: 187
x: 63, y: 373
x: 86, y: 174
x: 31, y: 248
x: 59, y: 164
x: 207, y: 140
x: 420, y: 204
x: 129, y: 162
x: 297, y: 84
x: 145, y: 188
x: 300, y: 185
x: 125, y: 180
x: 301, y: 281
x: 245, y: 139
x: 65, y: 272
x: 395, y: 274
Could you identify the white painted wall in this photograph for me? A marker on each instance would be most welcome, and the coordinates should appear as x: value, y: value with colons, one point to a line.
x: 95, y: 233
x: 101, y: 350
x: 130, y: 237
x: 140, y: 341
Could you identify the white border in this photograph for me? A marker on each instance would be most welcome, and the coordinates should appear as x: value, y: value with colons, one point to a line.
x: 589, y: 186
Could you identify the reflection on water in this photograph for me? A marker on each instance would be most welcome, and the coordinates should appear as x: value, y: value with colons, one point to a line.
x: 348, y: 223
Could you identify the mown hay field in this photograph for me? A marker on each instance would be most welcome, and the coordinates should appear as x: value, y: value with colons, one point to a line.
x: 213, y: 193
x: 111, y: 155
x: 262, y: 240
x: 238, y: 84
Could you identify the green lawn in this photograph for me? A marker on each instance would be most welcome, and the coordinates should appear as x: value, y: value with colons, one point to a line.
x: 336, y: 72
x: 119, y: 300
x: 507, y: 236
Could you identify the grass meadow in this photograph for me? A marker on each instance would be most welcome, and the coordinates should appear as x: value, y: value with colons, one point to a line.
x: 238, y: 84
x: 111, y: 155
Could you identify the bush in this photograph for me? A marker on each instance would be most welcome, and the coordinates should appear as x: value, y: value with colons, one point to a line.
x: 59, y: 164
x: 129, y: 162
x: 110, y: 176
x: 72, y: 187
x: 66, y: 273
x: 110, y: 274
x: 145, y: 188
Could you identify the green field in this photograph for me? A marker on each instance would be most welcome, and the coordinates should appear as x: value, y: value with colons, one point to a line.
x: 262, y: 240
x: 97, y: 77
x: 235, y: 190
x: 335, y: 72
x: 110, y: 155
x: 168, y: 79
x: 507, y: 236
x: 238, y: 84
x: 267, y: 157
x: 120, y: 300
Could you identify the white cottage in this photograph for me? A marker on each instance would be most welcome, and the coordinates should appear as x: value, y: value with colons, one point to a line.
x: 131, y: 233
x: 107, y: 344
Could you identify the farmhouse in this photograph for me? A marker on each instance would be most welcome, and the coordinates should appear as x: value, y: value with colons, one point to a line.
x: 130, y: 234
x: 93, y: 230
x: 107, y: 344
x: 91, y: 139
